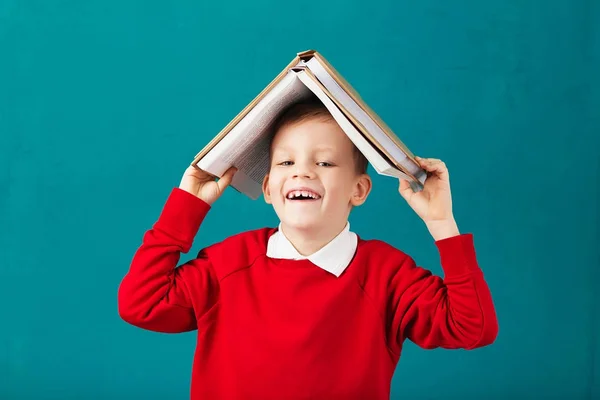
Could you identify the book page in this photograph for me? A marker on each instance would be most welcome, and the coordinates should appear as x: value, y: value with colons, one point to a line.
x: 246, y: 145
x: 246, y: 185
x: 379, y: 163
x: 340, y: 94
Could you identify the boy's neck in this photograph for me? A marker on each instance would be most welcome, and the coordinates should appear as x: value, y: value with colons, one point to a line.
x: 307, y: 241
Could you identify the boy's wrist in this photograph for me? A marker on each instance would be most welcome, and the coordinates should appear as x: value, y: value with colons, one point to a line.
x: 443, y: 229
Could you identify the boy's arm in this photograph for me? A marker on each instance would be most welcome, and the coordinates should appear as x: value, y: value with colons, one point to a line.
x: 454, y: 312
x: 154, y: 294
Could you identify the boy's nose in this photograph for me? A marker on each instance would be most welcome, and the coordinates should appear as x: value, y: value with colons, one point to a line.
x: 303, y: 171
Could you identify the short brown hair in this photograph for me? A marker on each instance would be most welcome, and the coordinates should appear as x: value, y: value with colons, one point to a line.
x: 309, y: 109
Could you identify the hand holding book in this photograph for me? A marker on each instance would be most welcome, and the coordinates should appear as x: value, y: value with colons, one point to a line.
x: 203, y: 185
x: 433, y: 204
x: 243, y: 143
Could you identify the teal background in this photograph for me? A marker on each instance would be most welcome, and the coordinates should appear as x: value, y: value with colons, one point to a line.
x: 103, y: 104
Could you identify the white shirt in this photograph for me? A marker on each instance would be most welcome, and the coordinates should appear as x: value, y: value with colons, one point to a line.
x: 334, y: 257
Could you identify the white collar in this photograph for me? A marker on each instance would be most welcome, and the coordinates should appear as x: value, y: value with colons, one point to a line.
x: 334, y: 257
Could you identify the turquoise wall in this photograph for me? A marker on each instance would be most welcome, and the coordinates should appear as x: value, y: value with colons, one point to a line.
x: 103, y: 104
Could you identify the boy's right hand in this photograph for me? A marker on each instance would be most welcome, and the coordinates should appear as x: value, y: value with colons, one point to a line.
x: 203, y: 185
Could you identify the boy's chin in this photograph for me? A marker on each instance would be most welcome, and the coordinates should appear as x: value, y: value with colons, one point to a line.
x: 303, y: 225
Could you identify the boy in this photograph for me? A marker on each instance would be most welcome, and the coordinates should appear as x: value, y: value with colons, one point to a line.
x: 307, y: 310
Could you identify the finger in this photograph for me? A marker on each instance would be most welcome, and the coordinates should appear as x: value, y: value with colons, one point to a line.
x: 438, y: 168
x: 434, y: 164
x: 405, y: 190
x: 191, y: 170
x: 426, y: 161
x: 198, y: 173
x: 226, y: 178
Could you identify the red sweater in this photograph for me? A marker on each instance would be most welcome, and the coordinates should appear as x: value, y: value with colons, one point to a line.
x: 287, y: 329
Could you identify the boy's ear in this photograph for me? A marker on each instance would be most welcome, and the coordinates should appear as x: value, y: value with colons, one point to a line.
x: 265, y: 189
x: 361, y: 190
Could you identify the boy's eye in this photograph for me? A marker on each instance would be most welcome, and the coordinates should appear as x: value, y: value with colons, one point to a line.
x: 320, y: 164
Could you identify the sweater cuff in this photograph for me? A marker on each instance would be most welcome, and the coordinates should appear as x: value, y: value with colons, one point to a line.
x: 457, y: 255
x: 182, y: 215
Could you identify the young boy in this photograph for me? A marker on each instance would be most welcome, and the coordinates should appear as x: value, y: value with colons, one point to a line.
x: 307, y: 310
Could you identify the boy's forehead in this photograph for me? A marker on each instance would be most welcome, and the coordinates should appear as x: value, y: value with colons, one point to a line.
x: 321, y: 133
x: 317, y: 146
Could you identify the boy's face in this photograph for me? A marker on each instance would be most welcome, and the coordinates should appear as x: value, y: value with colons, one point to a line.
x: 313, y: 180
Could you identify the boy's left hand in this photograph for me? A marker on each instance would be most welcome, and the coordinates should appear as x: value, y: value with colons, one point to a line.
x: 434, y: 203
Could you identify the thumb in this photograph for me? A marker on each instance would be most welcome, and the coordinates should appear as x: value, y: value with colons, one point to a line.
x: 404, y: 189
x: 226, y: 179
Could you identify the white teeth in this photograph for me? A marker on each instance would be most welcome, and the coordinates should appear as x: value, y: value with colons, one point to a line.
x: 302, y: 193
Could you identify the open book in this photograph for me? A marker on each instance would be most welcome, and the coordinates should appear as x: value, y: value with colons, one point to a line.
x: 244, y: 142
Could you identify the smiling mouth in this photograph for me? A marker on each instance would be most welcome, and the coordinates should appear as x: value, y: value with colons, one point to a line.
x: 302, y: 195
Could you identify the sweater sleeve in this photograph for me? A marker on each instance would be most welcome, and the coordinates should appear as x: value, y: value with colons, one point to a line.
x: 157, y: 295
x: 454, y: 312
